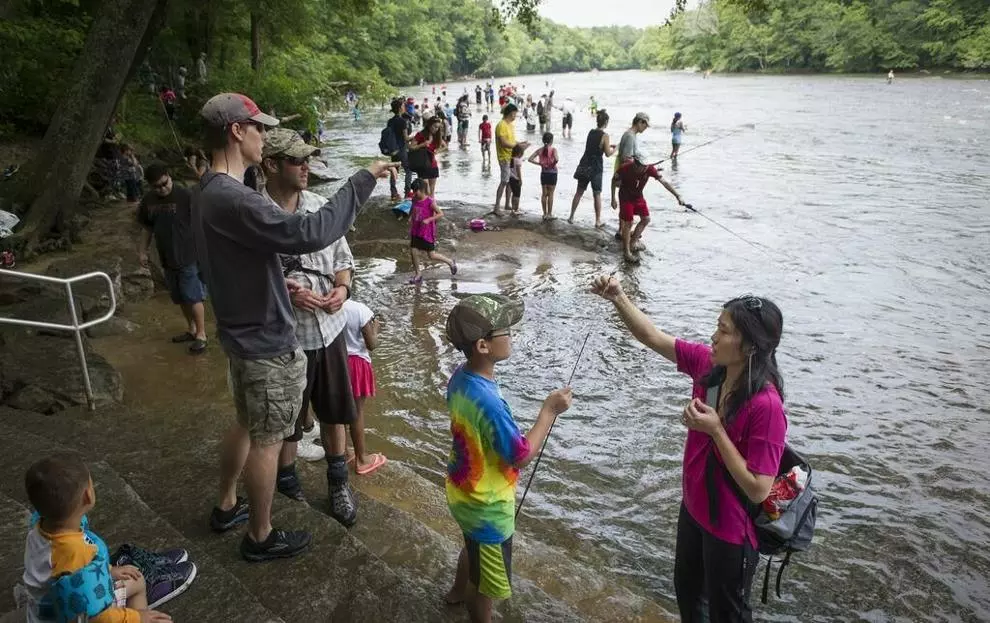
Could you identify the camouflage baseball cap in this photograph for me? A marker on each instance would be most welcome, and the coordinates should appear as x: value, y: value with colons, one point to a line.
x: 286, y: 142
x: 478, y: 315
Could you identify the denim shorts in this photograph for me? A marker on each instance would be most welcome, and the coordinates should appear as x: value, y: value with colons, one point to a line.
x: 184, y: 284
x: 268, y: 394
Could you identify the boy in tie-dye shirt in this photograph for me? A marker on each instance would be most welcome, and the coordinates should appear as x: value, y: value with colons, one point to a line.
x: 488, y: 450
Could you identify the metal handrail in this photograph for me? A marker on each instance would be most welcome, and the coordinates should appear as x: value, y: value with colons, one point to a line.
x: 75, y: 327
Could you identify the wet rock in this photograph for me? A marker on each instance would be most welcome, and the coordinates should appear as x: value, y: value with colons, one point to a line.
x: 36, y: 399
x: 44, y: 307
x: 94, y: 288
x: 52, y: 364
x: 113, y: 326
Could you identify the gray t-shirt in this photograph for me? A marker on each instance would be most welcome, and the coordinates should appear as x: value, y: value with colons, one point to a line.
x: 239, y: 235
x: 629, y: 146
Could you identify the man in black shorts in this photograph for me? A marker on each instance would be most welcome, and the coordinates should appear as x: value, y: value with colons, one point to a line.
x: 319, y: 283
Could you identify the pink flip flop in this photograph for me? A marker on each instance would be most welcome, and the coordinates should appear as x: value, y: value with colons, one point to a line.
x: 377, y: 460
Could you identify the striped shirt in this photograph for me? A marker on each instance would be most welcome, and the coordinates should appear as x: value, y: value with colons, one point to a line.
x: 318, y: 329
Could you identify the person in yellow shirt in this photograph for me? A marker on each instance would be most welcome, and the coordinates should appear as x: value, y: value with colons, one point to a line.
x: 67, y: 571
x: 505, y: 141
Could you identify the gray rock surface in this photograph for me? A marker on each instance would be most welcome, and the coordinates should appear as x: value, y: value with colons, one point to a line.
x: 52, y: 364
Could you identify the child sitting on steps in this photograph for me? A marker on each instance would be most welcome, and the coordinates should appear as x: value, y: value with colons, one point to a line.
x: 67, y: 571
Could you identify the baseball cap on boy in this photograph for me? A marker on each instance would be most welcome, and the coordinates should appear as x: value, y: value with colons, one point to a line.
x: 478, y: 315
x: 227, y: 108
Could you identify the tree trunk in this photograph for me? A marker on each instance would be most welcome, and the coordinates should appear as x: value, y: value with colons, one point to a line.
x: 255, y: 40
x: 119, y: 34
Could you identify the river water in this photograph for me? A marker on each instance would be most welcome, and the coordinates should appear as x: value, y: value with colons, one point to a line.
x: 872, y: 203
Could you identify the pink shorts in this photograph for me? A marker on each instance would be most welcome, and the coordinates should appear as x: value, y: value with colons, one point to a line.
x: 362, y: 376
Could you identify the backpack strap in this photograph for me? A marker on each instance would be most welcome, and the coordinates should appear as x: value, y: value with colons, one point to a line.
x: 766, y: 580
x: 780, y: 574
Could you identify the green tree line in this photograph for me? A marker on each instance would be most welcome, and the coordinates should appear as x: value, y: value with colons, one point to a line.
x: 822, y: 35
x: 285, y: 52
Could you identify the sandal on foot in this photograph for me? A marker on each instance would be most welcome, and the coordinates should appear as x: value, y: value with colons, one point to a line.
x: 183, y: 337
x: 453, y: 267
x: 197, y: 347
x: 415, y: 280
x: 377, y: 460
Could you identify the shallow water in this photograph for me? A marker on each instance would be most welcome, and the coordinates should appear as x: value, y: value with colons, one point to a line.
x: 872, y: 201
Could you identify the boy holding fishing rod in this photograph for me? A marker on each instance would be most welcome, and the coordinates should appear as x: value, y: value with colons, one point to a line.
x: 630, y: 179
x: 488, y: 450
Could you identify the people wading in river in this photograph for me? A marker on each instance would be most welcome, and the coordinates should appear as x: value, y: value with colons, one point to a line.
x: 505, y: 141
x: 630, y: 179
x: 590, y: 168
x: 629, y: 143
x: 238, y: 238
x: 739, y: 437
x: 320, y: 282
x: 677, y: 130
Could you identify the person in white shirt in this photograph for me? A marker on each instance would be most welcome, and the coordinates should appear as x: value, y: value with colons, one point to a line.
x: 568, y: 109
x: 361, y: 335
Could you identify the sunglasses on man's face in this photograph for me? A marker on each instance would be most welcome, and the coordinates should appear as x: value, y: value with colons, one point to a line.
x: 162, y: 184
x: 296, y: 162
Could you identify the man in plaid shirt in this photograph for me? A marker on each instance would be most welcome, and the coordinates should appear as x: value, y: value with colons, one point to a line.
x: 318, y: 283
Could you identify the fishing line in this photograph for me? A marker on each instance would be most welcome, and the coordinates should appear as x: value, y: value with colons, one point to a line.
x: 550, y: 430
x: 748, y: 126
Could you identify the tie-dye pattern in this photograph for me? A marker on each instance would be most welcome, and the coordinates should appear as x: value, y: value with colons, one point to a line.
x: 481, y: 479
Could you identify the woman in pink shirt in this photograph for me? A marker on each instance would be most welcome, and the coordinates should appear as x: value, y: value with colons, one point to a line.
x: 733, y: 448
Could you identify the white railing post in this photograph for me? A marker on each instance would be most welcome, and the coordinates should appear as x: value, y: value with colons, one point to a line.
x: 75, y: 327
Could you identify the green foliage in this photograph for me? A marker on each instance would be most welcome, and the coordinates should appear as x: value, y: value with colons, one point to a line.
x: 822, y: 35
x: 309, y: 52
x: 40, y: 50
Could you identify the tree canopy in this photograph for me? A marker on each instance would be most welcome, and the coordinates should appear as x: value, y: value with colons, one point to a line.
x: 285, y: 52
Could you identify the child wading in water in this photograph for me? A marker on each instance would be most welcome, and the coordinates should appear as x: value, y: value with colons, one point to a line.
x: 423, y: 230
x: 485, y: 138
x: 361, y: 335
x: 515, y: 175
x: 546, y: 157
x: 487, y: 450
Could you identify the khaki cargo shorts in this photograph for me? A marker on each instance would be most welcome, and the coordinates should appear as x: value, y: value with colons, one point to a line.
x: 268, y: 394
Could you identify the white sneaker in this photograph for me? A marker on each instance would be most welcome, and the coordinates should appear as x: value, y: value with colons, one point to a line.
x: 313, y: 434
x: 309, y: 450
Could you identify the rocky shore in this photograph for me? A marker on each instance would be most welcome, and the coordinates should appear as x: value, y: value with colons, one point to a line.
x: 153, y: 437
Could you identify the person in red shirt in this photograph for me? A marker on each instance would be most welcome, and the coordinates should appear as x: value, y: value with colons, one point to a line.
x: 485, y: 138
x: 630, y: 179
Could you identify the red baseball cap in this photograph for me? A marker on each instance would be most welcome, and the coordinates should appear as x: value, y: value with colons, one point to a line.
x: 227, y: 108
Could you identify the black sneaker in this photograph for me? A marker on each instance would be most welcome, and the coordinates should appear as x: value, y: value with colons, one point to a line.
x: 221, y: 521
x: 279, y: 544
x: 343, y: 506
x: 288, y: 484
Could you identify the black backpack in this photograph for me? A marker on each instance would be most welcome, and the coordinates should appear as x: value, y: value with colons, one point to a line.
x: 388, y: 144
x: 792, y: 531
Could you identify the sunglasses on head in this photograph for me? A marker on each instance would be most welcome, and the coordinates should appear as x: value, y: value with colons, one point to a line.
x: 750, y: 302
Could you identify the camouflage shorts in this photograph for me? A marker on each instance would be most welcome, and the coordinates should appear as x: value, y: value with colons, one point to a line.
x: 268, y: 394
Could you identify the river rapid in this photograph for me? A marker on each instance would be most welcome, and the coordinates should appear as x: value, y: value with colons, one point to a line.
x: 870, y: 202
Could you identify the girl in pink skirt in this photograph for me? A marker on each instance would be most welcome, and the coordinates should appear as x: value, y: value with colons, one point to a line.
x: 361, y: 336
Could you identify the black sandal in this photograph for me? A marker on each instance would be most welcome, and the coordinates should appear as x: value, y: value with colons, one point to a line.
x: 183, y: 337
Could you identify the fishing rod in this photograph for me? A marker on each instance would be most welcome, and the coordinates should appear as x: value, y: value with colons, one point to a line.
x: 748, y: 126
x: 756, y: 246
x: 545, y: 439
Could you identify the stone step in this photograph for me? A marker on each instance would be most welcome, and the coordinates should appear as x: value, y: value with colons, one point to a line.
x: 339, y: 579
x: 547, y: 583
x: 395, y: 500
x: 14, y: 518
x: 119, y: 516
